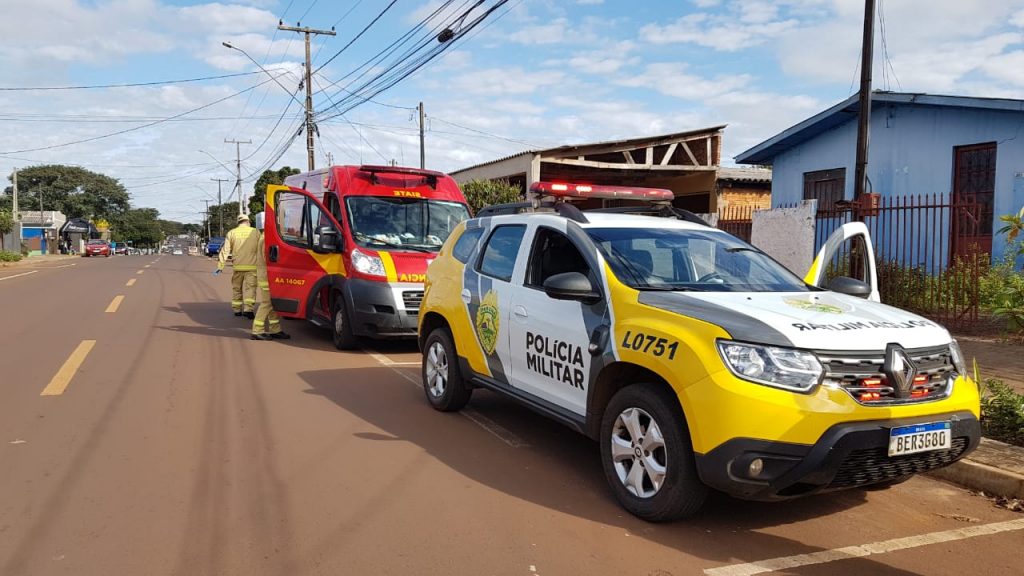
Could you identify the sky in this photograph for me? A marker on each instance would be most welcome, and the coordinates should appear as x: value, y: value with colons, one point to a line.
x: 531, y: 74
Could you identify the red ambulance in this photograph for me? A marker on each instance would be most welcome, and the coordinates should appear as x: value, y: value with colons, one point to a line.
x: 348, y: 247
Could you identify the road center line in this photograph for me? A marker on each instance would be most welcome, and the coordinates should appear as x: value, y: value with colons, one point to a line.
x: 63, y: 377
x: 17, y: 275
x: 115, y: 304
x: 131, y: 282
x: 147, y: 265
x: 825, y: 556
x: 499, y: 431
x: 140, y: 271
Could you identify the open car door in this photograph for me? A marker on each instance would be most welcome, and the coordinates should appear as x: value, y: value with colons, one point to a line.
x: 848, y: 253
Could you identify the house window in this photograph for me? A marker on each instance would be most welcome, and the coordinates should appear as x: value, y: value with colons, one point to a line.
x: 825, y: 186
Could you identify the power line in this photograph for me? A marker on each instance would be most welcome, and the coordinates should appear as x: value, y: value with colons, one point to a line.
x: 357, y: 36
x: 134, y: 128
x: 130, y: 85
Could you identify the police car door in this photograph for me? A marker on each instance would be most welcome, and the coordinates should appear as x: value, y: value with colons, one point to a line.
x: 847, y: 252
x: 550, y: 337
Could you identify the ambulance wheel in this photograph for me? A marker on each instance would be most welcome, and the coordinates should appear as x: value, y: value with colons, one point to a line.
x: 344, y: 337
x: 442, y: 380
x: 647, y: 456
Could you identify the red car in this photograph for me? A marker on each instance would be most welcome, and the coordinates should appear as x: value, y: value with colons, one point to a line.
x: 97, y: 248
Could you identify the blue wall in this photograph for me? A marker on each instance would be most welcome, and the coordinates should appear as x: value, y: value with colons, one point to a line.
x: 911, y: 152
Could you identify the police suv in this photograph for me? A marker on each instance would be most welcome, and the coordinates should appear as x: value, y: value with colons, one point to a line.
x: 695, y: 359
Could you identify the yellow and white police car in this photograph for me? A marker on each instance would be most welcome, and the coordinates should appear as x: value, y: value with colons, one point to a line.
x: 693, y: 358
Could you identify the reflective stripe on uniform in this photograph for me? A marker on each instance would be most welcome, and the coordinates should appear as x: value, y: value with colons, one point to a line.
x: 273, y: 322
x: 236, y: 302
x: 264, y: 284
x: 244, y: 268
x: 258, y: 323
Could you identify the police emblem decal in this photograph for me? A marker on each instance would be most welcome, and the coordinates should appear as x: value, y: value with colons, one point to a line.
x: 488, y: 322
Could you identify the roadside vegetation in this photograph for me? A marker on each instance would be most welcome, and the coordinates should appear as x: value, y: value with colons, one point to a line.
x: 480, y: 193
x: 8, y: 256
x: 1002, y: 412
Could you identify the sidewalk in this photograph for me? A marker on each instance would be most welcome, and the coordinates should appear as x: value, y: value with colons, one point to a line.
x: 31, y: 261
x: 994, y: 468
x: 1001, y: 360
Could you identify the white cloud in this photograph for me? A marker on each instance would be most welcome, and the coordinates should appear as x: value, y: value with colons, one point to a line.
x: 749, y: 25
x: 555, y: 32
x: 672, y: 79
x: 590, y: 2
x: 502, y: 81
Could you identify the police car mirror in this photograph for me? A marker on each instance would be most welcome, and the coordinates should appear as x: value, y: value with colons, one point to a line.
x: 327, y: 240
x: 571, y: 286
x: 851, y: 286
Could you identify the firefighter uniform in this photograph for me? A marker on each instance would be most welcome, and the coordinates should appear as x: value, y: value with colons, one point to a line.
x: 266, y: 322
x: 242, y: 243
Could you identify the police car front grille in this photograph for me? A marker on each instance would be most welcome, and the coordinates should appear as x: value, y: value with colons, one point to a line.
x: 412, y: 300
x: 873, y: 465
x: 855, y: 371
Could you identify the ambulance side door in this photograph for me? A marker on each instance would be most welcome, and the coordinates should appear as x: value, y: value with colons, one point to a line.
x: 848, y: 253
x: 550, y: 337
x: 292, y: 238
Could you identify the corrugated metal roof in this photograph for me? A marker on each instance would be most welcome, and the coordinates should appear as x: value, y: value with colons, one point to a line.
x: 847, y: 110
x: 745, y: 174
x: 641, y: 142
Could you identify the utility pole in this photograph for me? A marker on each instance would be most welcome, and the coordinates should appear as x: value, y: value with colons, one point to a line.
x: 864, y: 115
x: 14, y: 201
x: 207, y: 219
x: 220, y: 207
x: 238, y: 168
x: 423, y: 153
x: 309, y: 86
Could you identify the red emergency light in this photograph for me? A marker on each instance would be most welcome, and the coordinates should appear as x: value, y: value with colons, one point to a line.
x: 565, y: 190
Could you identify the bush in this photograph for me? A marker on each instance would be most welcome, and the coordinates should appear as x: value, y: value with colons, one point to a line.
x: 480, y: 193
x: 1002, y: 412
x: 1001, y: 292
x: 8, y: 256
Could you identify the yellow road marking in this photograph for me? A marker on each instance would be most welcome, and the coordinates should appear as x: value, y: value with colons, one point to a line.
x: 131, y: 282
x: 63, y: 377
x: 115, y: 304
x: 140, y: 271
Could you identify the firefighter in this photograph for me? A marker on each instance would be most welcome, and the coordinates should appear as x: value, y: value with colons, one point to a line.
x: 241, y: 244
x: 266, y: 325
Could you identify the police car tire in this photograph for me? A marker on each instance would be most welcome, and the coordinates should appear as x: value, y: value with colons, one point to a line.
x: 346, y: 338
x: 456, y: 393
x: 682, y: 493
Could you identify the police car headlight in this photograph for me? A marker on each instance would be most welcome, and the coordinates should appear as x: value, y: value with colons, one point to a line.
x: 367, y: 264
x: 958, y: 358
x: 786, y: 368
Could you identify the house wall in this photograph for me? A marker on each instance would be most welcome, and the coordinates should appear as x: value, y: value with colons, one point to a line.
x: 911, y: 152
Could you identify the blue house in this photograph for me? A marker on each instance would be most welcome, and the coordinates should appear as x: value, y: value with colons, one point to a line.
x: 944, y: 167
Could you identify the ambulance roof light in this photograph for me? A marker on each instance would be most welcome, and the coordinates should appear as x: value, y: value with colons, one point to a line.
x: 566, y: 190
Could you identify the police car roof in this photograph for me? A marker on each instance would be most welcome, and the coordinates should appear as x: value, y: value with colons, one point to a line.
x: 608, y: 220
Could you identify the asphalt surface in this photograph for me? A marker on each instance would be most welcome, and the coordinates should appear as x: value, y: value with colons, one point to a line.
x: 173, y: 444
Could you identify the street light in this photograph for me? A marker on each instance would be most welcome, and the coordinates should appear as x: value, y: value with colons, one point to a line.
x: 267, y: 72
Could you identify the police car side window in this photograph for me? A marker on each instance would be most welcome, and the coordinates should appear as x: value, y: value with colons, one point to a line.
x: 463, y: 248
x: 499, y: 257
x: 553, y: 253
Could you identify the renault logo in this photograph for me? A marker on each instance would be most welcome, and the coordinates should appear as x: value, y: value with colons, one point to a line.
x: 899, y: 369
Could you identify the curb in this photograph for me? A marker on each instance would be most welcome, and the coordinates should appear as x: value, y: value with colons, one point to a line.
x: 988, y: 469
x: 27, y: 261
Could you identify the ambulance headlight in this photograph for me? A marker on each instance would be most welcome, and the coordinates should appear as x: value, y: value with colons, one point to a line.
x: 367, y: 264
x: 786, y: 368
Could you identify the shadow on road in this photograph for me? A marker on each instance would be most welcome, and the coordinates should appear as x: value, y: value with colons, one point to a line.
x: 560, y: 470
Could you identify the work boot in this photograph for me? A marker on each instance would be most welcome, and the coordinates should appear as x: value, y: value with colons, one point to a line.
x: 261, y: 336
x: 250, y: 315
x: 238, y: 313
x: 280, y: 336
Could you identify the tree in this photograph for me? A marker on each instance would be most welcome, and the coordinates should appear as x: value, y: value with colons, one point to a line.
x: 268, y: 178
x: 77, y: 192
x: 480, y: 193
x: 6, y: 226
x: 140, y: 226
x: 230, y: 212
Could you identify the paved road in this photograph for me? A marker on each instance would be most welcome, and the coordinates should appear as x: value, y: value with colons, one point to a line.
x: 173, y: 444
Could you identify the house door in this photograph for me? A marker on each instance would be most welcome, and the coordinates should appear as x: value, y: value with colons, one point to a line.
x: 974, y: 183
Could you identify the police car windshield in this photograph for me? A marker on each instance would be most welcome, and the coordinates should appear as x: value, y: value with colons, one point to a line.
x: 679, y: 259
x: 409, y: 223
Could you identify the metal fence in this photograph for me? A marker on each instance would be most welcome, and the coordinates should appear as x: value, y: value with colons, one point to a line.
x: 927, y: 249
x: 737, y: 220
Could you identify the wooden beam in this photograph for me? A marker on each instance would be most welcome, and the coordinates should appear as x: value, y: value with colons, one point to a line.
x: 709, y: 153
x: 628, y: 156
x: 589, y: 150
x: 686, y: 148
x: 649, y: 156
x: 668, y: 154
x: 624, y: 166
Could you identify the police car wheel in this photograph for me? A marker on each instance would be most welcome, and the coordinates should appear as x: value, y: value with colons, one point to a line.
x: 647, y: 456
x: 344, y: 338
x: 442, y: 380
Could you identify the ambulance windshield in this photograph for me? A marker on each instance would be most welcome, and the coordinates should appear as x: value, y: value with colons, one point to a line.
x: 696, y: 260
x: 413, y: 223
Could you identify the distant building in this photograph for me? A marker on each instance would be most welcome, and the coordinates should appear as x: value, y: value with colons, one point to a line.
x: 40, y: 230
x: 687, y: 163
x: 968, y: 152
x: 743, y: 190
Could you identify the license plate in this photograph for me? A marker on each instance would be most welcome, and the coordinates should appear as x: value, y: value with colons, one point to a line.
x: 920, y: 438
